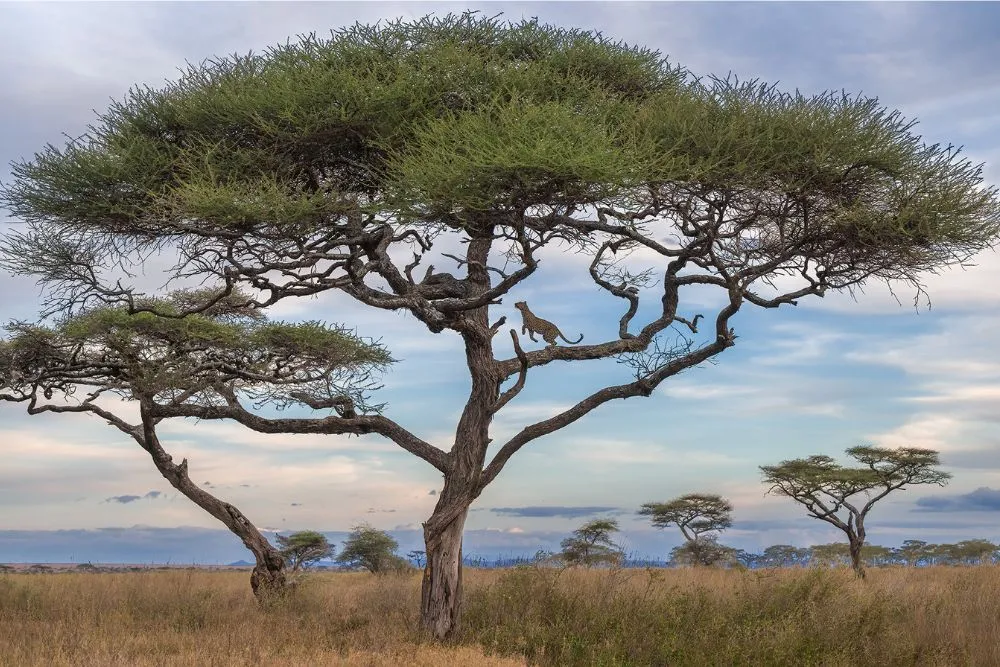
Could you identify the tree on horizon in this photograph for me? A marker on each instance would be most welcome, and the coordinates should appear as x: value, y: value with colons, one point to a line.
x: 826, y: 489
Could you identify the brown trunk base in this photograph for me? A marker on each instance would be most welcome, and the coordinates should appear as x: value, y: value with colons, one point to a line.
x: 441, y: 592
x: 269, y: 585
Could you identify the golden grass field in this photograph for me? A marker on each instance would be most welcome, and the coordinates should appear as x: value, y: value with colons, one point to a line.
x: 898, y: 616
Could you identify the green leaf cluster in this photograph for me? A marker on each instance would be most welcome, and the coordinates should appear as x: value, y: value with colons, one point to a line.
x: 591, y: 544
x: 304, y: 547
x: 457, y: 119
x: 157, y: 352
x: 370, y: 548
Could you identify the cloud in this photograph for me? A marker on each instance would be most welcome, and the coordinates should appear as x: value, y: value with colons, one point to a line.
x: 983, y: 499
x: 548, y: 511
x: 432, y: 492
x: 124, y: 500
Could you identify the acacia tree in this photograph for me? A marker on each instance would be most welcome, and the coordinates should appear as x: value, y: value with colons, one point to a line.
x: 353, y: 163
x: 304, y: 547
x: 833, y: 554
x: 826, y: 488
x: 696, y: 514
x: 108, y: 355
x: 706, y: 552
x: 372, y: 549
x: 912, y: 552
x: 591, y: 544
x: 784, y: 555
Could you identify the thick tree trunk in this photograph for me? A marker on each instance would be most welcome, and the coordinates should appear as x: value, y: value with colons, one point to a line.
x: 859, y: 569
x: 441, y: 593
x: 268, y: 578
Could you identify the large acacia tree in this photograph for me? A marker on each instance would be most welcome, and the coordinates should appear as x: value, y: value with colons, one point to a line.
x: 828, y: 489
x: 354, y: 163
x: 107, y: 362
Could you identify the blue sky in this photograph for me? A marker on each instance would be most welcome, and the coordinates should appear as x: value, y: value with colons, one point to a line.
x: 828, y: 374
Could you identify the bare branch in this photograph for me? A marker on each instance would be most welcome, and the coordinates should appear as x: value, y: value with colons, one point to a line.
x: 522, y: 376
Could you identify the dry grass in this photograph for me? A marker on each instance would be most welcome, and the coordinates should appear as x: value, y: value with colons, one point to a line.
x: 899, y: 616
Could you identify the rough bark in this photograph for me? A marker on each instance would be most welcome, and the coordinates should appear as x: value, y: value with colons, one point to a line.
x: 856, y: 563
x: 268, y: 578
x: 441, y: 595
x: 441, y: 591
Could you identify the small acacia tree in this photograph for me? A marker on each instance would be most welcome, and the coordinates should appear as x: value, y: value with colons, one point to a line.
x: 303, y: 548
x: 109, y: 355
x: 327, y: 164
x: 826, y: 488
x: 591, y: 544
x: 705, y: 552
x: 914, y: 552
x: 372, y: 549
x: 696, y: 514
x: 784, y: 555
x: 833, y: 554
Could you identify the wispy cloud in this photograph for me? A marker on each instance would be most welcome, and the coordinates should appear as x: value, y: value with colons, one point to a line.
x: 546, y: 511
x: 126, y: 499
x: 983, y: 499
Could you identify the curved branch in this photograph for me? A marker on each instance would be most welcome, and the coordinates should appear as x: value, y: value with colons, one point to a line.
x: 358, y: 425
x: 506, y: 397
x: 641, y: 387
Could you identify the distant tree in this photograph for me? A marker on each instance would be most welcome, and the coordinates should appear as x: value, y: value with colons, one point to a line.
x: 914, y: 552
x: 746, y: 558
x: 418, y: 556
x: 784, y: 555
x: 826, y: 488
x: 975, y: 552
x: 696, y: 514
x: 370, y: 548
x: 591, y: 544
x: 876, y: 555
x: 304, y: 548
x: 705, y: 551
x: 834, y: 554
x: 944, y: 554
x: 349, y: 165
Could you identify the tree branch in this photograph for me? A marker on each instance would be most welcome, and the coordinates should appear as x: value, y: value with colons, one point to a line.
x: 358, y: 425
x: 522, y: 376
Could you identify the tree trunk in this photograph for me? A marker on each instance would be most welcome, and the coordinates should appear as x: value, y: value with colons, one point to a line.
x: 268, y: 578
x: 441, y: 592
x: 859, y: 569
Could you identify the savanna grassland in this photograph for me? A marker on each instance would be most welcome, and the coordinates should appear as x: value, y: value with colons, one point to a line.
x: 898, y: 616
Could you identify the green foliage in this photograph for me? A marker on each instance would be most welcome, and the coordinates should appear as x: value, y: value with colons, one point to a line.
x: 812, y: 479
x: 833, y: 554
x: 438, y: 119
x: 591, y: 544
x: 784, y: 555
x: 303, y: 548
x: 704, y: 551
x: 694, y: 514
x: 372, y: 549
x: 148, y: 354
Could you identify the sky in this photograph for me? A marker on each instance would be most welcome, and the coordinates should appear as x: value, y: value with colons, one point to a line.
x: 818, y: 378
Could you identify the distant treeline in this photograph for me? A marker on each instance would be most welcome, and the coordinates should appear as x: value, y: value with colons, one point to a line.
x: 912, y: 552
